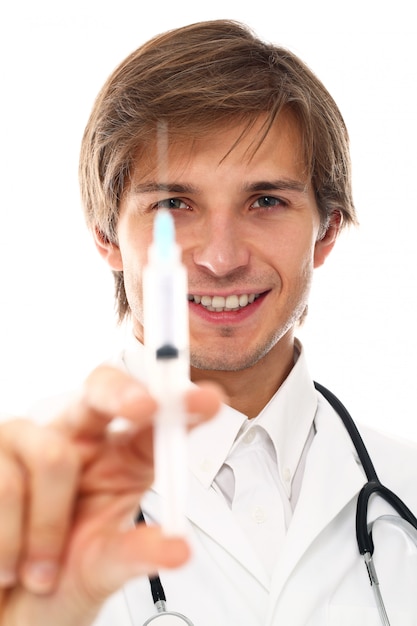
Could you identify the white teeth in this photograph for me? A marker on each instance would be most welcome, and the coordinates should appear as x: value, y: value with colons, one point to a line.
x: 233, y: 302
x: 206, y: 301
x: 217, y: 302
x: 220, y: 303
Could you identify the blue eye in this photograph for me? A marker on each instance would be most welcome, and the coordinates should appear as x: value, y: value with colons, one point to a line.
x: 266, y: 202
x: 171, y: 203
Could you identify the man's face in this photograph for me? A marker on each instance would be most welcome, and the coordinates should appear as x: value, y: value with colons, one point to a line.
x: 247, y: 224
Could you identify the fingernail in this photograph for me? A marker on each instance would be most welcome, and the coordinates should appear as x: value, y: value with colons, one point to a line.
x: 40, y: 576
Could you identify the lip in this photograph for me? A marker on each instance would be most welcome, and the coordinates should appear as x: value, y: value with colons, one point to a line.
x: 227, y: 317
x: 226, y: 293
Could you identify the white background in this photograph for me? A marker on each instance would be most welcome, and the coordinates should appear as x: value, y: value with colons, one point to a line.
x: 57, y: 313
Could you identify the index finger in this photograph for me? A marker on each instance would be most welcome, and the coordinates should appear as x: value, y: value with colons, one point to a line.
x: 107, y: 393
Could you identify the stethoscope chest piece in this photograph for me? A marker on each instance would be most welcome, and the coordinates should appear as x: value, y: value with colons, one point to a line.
x: 168, y: 619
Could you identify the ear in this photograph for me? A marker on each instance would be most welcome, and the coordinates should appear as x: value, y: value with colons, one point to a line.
x: 108, y: 250
x: 325, y: 244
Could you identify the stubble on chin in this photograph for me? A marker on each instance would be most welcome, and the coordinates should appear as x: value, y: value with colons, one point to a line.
x: 229, y: 358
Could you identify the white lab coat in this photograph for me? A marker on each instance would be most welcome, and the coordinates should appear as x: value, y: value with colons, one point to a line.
x: 320, y: 579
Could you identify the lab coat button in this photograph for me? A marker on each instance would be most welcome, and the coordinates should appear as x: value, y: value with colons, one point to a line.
x: 287, y: 474
x: 258, y: 515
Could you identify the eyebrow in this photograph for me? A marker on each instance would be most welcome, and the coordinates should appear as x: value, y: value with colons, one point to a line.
x: 282, y: 184
x: 152, y: 187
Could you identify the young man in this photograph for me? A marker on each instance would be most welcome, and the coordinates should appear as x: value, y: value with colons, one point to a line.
x: 257, y: 177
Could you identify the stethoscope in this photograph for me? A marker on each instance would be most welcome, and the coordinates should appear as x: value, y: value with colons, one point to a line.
x: 406, y: 520
x: 163, y: 616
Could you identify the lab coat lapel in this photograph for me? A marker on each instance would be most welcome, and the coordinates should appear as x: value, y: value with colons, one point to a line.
x: 213, y: 516
x: 332, y: 478
x: 209, y: 512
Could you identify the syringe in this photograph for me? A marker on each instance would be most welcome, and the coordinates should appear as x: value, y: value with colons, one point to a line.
x: 166, y: 338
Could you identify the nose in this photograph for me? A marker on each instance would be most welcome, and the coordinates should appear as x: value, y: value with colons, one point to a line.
x: 221, y: 247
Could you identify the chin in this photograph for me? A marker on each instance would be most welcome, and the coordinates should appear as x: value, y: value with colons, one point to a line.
x: 227, y: 360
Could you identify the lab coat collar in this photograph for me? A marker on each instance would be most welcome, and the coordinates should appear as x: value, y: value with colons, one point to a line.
x: 287, y: 418
x: 210, y: 444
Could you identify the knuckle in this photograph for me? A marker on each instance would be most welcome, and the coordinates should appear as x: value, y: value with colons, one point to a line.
x: 53, y: 453
x: 10, y: 552
x: 47, y: 533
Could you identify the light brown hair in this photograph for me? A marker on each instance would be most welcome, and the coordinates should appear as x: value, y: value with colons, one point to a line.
x: 195, y: 79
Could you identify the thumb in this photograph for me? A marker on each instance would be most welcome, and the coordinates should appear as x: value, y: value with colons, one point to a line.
x: 140, y: 551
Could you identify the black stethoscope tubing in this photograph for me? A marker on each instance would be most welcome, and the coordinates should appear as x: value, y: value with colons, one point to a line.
x: 372, y: 486
x: 157, y: 590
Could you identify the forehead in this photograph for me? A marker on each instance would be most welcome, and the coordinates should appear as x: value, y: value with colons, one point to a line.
x: 247, y: 145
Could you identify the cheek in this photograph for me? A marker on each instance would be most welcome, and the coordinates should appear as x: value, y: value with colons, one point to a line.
x: 133, y: 264
x: 306, y: 265
x: 134, y: 255
x: 132, y: 276
x: 134, y: 241
x: 293, y: 253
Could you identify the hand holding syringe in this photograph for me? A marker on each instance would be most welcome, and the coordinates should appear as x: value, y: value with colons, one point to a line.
x: 166, y: 337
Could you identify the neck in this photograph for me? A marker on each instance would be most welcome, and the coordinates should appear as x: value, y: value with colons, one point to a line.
x: 249, y: 390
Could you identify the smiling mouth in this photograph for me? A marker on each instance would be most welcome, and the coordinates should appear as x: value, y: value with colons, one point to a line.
x: 222, y: 303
